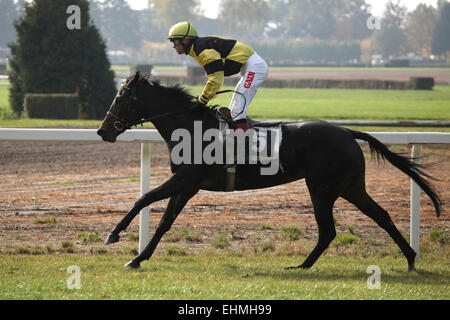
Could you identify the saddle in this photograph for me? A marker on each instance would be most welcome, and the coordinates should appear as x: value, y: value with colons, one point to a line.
x: 224, y: 113
x: 224, y: 117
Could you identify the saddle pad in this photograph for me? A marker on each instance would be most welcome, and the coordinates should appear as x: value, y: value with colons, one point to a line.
x: 264, y: 135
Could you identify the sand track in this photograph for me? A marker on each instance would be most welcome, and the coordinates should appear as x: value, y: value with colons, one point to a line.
x: 88, y: 187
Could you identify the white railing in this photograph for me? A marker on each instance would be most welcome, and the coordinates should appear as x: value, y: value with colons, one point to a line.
x: 148, y: 136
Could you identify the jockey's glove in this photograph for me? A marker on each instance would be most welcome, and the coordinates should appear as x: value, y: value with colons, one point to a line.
x: 202, y: 99
x: 201, y: 102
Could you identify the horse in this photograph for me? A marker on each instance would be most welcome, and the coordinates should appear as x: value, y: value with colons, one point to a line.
x: 326, y: 155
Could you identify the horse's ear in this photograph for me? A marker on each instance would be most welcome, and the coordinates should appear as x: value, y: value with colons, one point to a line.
x: 136, y: 76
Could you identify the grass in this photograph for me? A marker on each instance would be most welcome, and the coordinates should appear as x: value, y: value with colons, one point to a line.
x: 45, y: 221
x: 327, y: 104
x: 89, y: 237
x: 439, y: 236
x: 291, y: 233
x: 219, y: 274
x: 251, y: 270
x: 346, y: 239
x: 272, y: 103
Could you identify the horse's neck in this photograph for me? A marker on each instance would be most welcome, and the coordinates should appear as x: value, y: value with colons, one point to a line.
x: 184, y: 121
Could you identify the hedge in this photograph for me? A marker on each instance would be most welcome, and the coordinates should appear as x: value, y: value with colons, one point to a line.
x: 146, y: 68
x: 422, y: 83
x: 3, y: 68
x: 414, y: 83
x: 51, y: 106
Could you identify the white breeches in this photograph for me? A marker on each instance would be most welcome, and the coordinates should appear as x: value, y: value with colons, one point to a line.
x: 253, y: 73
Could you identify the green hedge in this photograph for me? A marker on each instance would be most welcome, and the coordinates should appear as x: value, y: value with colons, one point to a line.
x: 146, y: 68
x: 414, y: 83
x: 336, y: 84
x: 422, y: 83
x: 51, y: 106
x: 3, y: 68
x: 398, y: 63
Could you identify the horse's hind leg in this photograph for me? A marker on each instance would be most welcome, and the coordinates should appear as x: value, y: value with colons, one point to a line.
x: 323, y: 212
x: 360, y: 198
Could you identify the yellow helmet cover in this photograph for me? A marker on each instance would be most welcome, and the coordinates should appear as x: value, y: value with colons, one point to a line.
x: 182, y: 30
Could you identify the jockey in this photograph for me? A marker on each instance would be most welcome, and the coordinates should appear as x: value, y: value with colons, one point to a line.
x: 222, y: 58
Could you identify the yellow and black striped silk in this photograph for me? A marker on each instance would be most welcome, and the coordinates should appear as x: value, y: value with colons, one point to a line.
x: 220, y: 58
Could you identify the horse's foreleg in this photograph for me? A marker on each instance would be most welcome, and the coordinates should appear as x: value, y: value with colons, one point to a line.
x: 176, y: 204
x: 179, y: 181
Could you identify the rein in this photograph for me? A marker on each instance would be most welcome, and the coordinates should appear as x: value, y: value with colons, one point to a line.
x: 120, y: 124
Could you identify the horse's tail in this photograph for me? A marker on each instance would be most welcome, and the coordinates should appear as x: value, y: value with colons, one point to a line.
x: 409, y: 167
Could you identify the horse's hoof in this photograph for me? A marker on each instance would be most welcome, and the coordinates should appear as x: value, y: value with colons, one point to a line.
x: 296, y: 267
x: 290, y: 268
x: 112, y: 238
x: 411, y: 263
x: 133, y: 265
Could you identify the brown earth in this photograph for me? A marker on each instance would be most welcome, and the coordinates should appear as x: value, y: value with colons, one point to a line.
x: 88, y: 187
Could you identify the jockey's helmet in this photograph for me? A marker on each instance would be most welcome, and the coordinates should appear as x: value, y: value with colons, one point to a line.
x: 182, y: 30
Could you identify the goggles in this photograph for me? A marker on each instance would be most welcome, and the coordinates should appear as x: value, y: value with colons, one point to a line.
x: 177, y: 41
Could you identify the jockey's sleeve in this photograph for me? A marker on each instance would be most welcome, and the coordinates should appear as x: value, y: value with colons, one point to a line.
x: 214, y: 84
x: 212, y: 62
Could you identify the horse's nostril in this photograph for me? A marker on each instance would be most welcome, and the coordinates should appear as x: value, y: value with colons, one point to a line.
x: 100, y: 132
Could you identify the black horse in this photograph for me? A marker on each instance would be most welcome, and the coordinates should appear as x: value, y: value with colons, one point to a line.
x: 326, y: 155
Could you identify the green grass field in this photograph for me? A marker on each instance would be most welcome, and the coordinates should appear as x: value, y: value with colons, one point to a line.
x: 224, y: 274
x: 327, y: 104
x: 272, y: 103
x: 273, y: 68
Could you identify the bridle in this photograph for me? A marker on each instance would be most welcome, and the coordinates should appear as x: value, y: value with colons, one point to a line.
x: 120, y: 124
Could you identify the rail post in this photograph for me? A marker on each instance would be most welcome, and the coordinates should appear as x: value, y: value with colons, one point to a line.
x: 414, y: 234
x: 144, y: 220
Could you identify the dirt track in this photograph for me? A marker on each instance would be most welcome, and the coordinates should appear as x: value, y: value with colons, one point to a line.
x: 88, y: 187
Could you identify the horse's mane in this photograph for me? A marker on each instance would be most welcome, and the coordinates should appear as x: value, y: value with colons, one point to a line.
x: 176, y: 92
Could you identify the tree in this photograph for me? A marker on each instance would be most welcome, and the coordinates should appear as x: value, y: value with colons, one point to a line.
x: 118, y: 23
x: 244, y: 19
x: 9, y: 11
x: 441, y: 37
x: 310, y: 19
x: 351, y: 19
x: 279, y: 12
x: 391, y: 39
x: 48, y: 57
x: 419, y: 28
x: 169, y: 12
